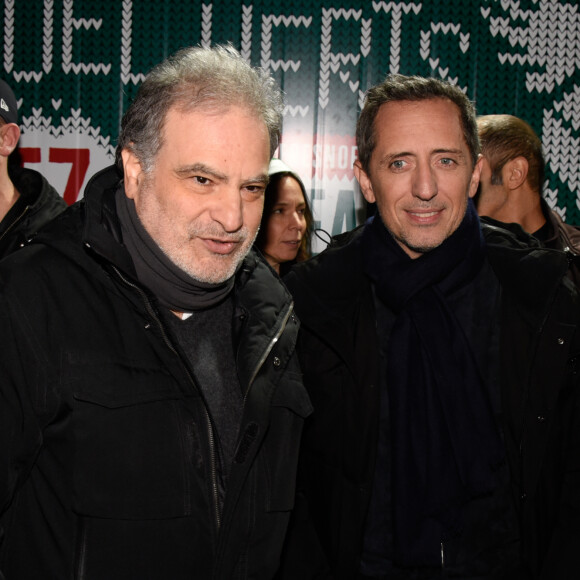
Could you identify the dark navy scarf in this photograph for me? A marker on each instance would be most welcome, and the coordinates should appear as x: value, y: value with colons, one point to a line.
x: 445, y: 444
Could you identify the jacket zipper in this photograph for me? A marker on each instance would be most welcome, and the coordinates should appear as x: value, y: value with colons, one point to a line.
x: 11, y: 226
x: 269, y: 348
x: 267, y: 351
x: 210, y: 433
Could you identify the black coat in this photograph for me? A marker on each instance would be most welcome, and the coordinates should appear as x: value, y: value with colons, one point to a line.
x: 37, y: 205
x: 107, y: 455
x: 540, y: 385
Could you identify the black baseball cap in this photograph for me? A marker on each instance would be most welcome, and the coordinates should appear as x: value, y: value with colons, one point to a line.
x: 8, y: 105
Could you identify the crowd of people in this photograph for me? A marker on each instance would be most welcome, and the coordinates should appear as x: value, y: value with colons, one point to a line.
x: 185, y: 392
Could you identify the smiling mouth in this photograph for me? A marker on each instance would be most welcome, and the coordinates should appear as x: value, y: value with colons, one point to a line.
x: 424, y: 217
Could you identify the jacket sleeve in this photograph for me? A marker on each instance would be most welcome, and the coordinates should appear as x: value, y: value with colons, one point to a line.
x: 550, y: 446
x: 562, y: 556
x: 21, y: 376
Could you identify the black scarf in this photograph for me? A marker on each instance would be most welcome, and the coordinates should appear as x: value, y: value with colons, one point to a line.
x: 445, y: 444
x: 174, y: 288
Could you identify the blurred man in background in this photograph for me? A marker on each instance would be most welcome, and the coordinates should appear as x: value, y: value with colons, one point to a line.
x: 512, y: 178
x: 27, y: 200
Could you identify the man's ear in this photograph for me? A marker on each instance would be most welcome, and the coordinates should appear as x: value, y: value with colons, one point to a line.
x: 133, y: 173
x: 9, y: 135
x: 475, y: 176
x: 515, y: 172
x: 364, y: 182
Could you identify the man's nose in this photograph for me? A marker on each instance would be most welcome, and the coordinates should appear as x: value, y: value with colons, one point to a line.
x: 424, y: 182
x: 228, y: 209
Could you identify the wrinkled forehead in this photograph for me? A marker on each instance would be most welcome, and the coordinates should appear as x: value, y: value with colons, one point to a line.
x: 417, y: 124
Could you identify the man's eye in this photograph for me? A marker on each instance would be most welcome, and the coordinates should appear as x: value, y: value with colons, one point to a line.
x: 398, y: 164
x: 447, y: 161
x: 255, y: 189
x: 201, y: 180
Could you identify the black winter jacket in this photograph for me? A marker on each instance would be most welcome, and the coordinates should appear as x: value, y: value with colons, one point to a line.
x: 108, y: 454
x: 540, y: 384
x: 565, y: 237
x: 37, y: 205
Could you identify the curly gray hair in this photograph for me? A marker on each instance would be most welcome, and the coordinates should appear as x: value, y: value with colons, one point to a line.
x: 209, y: 78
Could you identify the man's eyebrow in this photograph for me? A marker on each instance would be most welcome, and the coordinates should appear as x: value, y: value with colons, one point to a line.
x: 186, y: 170
x: 452, y: 151
x: 263, y: 179
x: 388, y: 158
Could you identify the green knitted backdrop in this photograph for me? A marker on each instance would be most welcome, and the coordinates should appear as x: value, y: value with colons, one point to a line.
x: 76, y: 64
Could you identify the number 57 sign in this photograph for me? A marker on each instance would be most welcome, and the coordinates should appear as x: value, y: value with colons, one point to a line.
x: 79, y: 160
x: 66, y: 158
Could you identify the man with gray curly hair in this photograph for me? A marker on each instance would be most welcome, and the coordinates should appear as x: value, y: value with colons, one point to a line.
x: 151, y: 399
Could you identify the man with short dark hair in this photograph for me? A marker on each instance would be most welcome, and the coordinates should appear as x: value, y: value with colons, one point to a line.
x: 511, y: 183
x: 152, y: 403
x: 27, y: 200
x: 441, y: 358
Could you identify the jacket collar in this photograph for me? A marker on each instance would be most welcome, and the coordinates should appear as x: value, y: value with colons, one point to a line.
x: 564, y: 236
x: 102, y: 230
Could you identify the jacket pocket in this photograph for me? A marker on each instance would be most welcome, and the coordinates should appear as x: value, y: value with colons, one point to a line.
x: 134, y: 442
x: 290, y: 406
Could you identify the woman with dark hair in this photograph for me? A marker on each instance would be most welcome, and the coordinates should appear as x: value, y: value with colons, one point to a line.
x: 284, y: 237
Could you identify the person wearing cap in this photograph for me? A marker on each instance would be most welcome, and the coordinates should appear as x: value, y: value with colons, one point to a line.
x: 284, y: 236
x: 27, y: 200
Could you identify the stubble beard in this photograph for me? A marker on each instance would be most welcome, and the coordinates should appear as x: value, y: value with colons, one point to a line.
x: 176, y: 250
x: 210, y: 273
x: 404, y: 237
